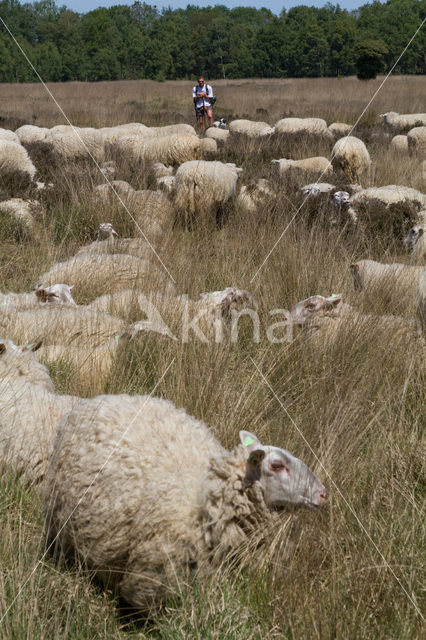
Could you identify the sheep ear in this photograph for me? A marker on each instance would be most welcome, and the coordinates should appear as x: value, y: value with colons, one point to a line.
x: 42, y: 294
x: 249, y: 442
x: 254, y: 455
x: 32, y: 347
x: 334, y: 299
x: 2, y: 347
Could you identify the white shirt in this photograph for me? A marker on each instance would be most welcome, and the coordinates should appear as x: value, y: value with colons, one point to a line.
x: 208, y: 89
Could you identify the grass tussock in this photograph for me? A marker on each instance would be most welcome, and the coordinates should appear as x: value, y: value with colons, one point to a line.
x: 350, y: 404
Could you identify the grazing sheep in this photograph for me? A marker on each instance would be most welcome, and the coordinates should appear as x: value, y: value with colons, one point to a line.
x: 342, y: 204
x: 157, y: 494
x: 29, y: 134
x: 56, y: 293
x: 107, y: 241
x: 417, y: 142
x: 308, y: 168
x: 111, y: 134
x: 107, y: 273
x: 170, y: 150
x: 329, y: 318
x: 202, y: 187
x: 397, y: 123
x: 6, y: 134
x: 104, y: 193
x: 16, y: 169
x: 350, y: 156
x: 395, y: 281
x: 170, y: 129
x: 74, y: 144
x: 152, y: 212
x: 108, y: 169
x: 21, y: 212
x: 251, y: 197
x: 29, y: 412
x: 208, y: 146
x: 250, y: 128
x: 388, y: 198
x: 399, y: 145
x: 312, y: 127
x: 415, y: 240
x: 166, y: 183
x: 60, y: 325
x: 159, y: 170
x: 220, y: 135
x: 340, y: 129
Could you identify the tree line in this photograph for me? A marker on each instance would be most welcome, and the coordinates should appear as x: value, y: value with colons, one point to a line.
x: 140, y: 41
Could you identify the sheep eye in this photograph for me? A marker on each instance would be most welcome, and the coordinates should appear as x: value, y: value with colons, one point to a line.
x: 277, y: 466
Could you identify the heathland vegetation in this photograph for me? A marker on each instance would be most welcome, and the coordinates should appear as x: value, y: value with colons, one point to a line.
x: 139, y: 41
x: 352, y: 407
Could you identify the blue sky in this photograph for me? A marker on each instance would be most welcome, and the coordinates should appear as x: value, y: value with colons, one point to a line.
x: 276, y: 6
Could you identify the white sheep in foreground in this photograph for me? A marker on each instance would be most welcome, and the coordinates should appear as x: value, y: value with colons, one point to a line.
x: 157, y: 495
x: 74, y: 144
x: 397, y: 123
x: 417, y: 142
x: 15, y: 163
x: 250, y: 128
x: 395, y: 281
x: 351, y: 157
x: 29, y: 412
x: 202, y: 187
x: 173, y: 149
x: 107, y: 273
x: 312, y: 127
x: 376, y: 199
x: 220, y: 135
x: 29, y: 134
x: 308, y: 168
x: 399, y: 145
x: 6, y: 134
x: 415, y: 240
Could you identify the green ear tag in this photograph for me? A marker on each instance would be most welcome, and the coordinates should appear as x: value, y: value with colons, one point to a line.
x: 334, y: 295
x: 247, y: 441
x: 29, y: 346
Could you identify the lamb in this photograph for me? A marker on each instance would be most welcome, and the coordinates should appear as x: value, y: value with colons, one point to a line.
x: 308, y: 168
x: 417, y: 142
x: 399, y: 145
x: 29, y: 412
x: 312, y: 127
x: 171, y: 150
x: 340, y: 129
x: 250, y: 128
x: 74, y: 144
x: 107, y: 273
x: 158, y: 495
x: 220, y: 135
x: 397, y: 123
x: 396, y: 282
x: 202, y: 187
x: 29, y: 134
x: 350, y: 156
x: 16, y: 168
x: 415, y: 240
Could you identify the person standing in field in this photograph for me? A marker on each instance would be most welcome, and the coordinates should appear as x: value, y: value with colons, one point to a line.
x: 201, y: 94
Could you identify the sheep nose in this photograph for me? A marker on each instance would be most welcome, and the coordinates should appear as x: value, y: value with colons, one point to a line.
x: 323, y: 497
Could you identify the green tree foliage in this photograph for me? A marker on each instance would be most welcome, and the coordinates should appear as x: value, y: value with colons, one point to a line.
x: 139, y: 41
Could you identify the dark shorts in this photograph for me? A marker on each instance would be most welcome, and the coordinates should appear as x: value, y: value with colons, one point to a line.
x: 201, y: 110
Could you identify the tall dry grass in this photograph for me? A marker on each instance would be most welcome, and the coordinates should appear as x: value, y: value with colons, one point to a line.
x: 353, y: 408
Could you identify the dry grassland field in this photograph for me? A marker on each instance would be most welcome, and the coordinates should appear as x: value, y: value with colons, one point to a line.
x: 345, y: 392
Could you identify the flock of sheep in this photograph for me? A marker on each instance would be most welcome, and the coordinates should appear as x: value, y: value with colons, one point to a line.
x: 134, y: 487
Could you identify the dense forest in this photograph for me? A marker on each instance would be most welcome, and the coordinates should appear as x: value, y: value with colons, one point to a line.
x: 139, y: 41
